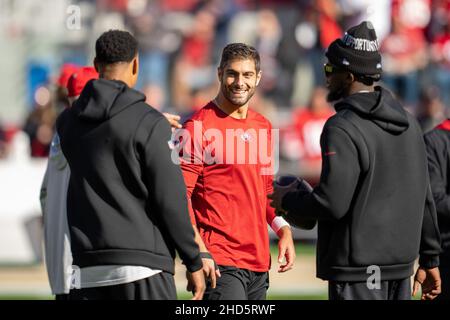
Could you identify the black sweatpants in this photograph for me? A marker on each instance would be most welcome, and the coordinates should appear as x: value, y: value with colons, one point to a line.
x: 160, y: 286
x: 238, y: 284
x: 389, y: 290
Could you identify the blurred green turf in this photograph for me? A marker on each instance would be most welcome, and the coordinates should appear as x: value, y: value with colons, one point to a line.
x: 25, y: 297
x: 298, y: 296
x: 301, y: 248
x: 184, y: 296
x: 187, y: 296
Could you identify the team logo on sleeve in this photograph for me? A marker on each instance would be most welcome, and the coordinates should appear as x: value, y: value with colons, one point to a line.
x: 173, y: 144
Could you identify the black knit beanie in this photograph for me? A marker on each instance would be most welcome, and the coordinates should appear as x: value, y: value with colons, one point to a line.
x: 357, y: 51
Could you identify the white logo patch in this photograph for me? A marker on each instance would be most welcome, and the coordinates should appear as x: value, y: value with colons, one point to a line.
x: 172, y: 144
x: 246, y: 137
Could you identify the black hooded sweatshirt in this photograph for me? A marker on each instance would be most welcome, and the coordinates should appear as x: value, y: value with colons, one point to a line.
x: 373, y: 203
x: 126, y: 201
x: 438, y: 149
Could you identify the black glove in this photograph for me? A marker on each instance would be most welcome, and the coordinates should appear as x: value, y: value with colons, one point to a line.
x: 296, y: 219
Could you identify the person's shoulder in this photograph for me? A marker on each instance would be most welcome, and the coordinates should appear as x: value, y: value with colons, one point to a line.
x: 62, y: 119
x: 343, y: 123
x: 206, y: 112
x: 256, y: 116
x: 441, y: 133
x: 339, y: 119
x: 147, y: 111
x: 149, y: 117
x: 66, y: 112
x: 205, y: 115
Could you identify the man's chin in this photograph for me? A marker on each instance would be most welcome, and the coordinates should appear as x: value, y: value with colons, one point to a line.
x: 238, y: 102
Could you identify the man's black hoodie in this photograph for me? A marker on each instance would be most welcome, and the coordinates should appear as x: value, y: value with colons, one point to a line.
x: 126, y: 201
x: 373, y: 202
x: 438, y: 149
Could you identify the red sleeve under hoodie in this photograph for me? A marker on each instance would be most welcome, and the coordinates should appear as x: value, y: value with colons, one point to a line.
x: 227, y: 188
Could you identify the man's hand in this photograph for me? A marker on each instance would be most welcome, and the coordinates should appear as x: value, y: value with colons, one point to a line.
x: 173, y: 120
x: 430, y: 281
x: 196, y: 284
x: 210, y: 271
x: 286, y: 249
x: 209, y: 266
x: 278, y: 194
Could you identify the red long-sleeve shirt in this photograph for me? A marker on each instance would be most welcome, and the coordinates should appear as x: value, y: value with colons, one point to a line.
x: 229, y: 199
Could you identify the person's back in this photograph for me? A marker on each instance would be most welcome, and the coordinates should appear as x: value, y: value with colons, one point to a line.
x: 126, y: 202
x: 382, y: 209
x: 105, y: 142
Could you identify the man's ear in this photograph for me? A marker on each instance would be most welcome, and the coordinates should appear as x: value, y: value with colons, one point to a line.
x: 258, y: 77
x: 219, y: 74
x: 135, y: 65
x: 96, y: 65
x: 350, y: 78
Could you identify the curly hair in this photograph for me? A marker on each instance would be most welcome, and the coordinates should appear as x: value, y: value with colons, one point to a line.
x: 115, y: 46
x: 239, y: 51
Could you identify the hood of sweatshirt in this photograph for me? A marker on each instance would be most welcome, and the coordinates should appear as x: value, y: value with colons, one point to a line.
x: 379, y: 106
x: 102, y: 99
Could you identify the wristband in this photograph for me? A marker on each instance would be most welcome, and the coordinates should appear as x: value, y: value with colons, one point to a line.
x: 207, y: 255
x: 278, y: 223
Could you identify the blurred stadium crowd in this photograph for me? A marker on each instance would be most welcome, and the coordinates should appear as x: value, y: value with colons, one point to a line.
x: 181, y: 41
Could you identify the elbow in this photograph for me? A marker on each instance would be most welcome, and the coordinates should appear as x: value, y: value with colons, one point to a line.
x: 335, y: 213
x: 338, y: 214
x: 332, y: 211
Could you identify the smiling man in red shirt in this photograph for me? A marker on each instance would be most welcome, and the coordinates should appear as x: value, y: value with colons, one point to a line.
x: 228, y: 171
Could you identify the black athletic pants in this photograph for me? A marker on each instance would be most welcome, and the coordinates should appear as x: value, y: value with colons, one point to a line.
x: 389, y: 290
x: 238, y: 284
x: 160, y: 286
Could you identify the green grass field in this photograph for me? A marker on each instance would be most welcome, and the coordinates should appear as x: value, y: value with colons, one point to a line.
x: 278, y: 297
x: 184, y: 296
x: 302, y: 249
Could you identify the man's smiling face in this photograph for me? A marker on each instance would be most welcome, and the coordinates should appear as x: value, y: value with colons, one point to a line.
x: 238, y: 81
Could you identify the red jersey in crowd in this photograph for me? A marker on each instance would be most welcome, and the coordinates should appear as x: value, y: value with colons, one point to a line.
x: 308, y: 126
x: 441, y: 49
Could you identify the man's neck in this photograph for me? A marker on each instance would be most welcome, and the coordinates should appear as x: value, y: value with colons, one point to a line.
x: 234, y: 111
x: 115, y: 75
x: 358, y: 87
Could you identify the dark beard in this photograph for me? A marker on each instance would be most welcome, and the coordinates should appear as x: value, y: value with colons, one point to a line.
x: 238, y: 103
x: 335, y: 95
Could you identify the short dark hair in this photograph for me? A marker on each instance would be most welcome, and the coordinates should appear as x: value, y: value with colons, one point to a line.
x: 239, y: 51
x: 115, y: 46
